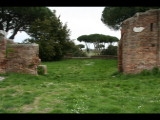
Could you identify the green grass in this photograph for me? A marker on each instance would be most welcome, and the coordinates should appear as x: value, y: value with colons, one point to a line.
x: 81, y: 86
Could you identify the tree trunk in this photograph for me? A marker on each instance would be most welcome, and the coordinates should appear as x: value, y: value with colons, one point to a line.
x: 1, y: 26
x: 14, y: 33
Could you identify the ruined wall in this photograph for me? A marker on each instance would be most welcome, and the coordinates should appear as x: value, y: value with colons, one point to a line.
x: 2, y: 54
x: 18, y: 58
x: 22, y: 58
x: 139, y: 45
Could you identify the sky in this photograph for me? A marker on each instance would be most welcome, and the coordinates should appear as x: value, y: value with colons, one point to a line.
x: 80, y: 21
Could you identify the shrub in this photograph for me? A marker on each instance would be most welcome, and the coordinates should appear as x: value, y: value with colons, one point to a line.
x: 154, y: 71
x: 111, y: 50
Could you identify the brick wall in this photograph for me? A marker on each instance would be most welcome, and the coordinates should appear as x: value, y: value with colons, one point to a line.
x: 139, y: 45
x: 2, y: 54
x: 18, y: 58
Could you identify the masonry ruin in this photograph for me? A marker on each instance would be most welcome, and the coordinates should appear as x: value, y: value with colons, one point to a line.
x: 139, y: 46
x: 18, y: 58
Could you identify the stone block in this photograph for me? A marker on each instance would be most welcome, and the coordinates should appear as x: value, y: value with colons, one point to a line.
x: 42, y: 69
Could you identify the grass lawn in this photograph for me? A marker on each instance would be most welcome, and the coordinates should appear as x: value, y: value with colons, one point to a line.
x: 80, y: 86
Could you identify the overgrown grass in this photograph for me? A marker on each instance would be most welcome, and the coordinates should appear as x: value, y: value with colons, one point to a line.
x: 81, y: 86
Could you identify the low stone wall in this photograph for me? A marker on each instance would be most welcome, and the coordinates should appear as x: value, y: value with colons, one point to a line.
x: 105, y: 57
x: 94, y: 57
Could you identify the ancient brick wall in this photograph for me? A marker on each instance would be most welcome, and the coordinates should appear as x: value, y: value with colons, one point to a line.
x: 2, y: 54
x: 18, y: 58
x: 139, y: 45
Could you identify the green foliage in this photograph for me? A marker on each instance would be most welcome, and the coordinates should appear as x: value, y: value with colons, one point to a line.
x: 75, y: 50
x: 20, y: 18
x: 98, y: 40
x: 153, y: 71
x: 111, y: 50
x: 83, y: 38
x: 145, y: 72
x: 80, y: 46
x: 114, y: 16
x: 79, y: 53
x: 52, y: 37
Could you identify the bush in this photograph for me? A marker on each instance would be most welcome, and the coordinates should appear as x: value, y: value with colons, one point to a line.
x: 111, y: 50
x: 75, y: 50
x: 79, y: 53
x: 154, y: 71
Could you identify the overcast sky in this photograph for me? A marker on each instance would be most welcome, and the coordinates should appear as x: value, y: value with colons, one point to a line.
x: 80, y: 21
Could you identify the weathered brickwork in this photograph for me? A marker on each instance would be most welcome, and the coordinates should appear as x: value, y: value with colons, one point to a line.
x: 18, y: 58
x: 2, y: 54
x: 139, y: 47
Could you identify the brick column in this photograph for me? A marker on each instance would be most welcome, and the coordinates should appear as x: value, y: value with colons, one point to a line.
x: 158, y: 38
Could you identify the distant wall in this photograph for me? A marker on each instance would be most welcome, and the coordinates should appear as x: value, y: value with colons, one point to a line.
x: 104, y: 56
x: 93, y: 57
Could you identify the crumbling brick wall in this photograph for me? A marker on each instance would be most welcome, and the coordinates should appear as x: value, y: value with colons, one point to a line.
x: 18, y: 58
x: 138, y: 47
x: 2, y: 54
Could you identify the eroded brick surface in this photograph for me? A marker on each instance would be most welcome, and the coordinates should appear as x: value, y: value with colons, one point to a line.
x: 138, y: 48
x: 18, y: 58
